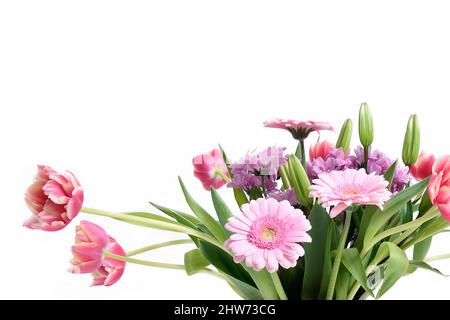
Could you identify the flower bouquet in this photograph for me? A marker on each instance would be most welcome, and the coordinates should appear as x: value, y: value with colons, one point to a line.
x: 333, y: 225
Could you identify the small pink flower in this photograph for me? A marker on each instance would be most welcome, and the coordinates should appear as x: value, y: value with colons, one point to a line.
x: 320, y: 150
x: 210, y: 168
x: 423, y: 167
x: 267, y: 234
x: 91, y: 242
x: 54, y: 199
x: 341, y: 189
x: 299, y: 129
x: 439, y: 186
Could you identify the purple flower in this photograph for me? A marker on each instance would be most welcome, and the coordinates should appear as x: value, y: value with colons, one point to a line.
x: 335, y: 161
x: 288, y: 195
x: 249, y: 172
x: 379, y: 163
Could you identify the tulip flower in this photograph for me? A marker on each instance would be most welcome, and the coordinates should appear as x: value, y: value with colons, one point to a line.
x: 320, y: 150
x: 423, y: 166
x: 54, y: 199
x: 439, y: 186
x: 210, y: 168
x: 91, y: 243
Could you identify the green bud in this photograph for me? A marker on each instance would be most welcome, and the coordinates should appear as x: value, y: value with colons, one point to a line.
x: 365, y: 126
x: 299, y: 181
x: 345, y: 136
x: 411, y: 145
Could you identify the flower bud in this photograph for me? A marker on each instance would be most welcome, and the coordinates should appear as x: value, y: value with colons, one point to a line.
x: 299, y: 180
x: 365, y: 125
x: 345, y: 136
x: 411, y: 144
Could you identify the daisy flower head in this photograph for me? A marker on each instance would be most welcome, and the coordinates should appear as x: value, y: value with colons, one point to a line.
x: 342, y: 189
x: 267, y: 234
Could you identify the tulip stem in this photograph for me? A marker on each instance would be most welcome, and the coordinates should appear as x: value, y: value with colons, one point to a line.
x: 278, y: 286
x: 437, y: 258
x: 302, y: 150
x: 155, y: 224
x: 338, y: 258
x: 157, y: 246
x: 223, y: 175
x: 160, y: 264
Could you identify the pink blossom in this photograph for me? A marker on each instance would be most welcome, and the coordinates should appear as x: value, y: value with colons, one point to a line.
x: 267, y: 234
x: 341, y: 189
x: 299, y: 129
x: 439, y: 186
x: 210, y: 168
x: 91, y: 242
x: 320, y: 150
x: 54, y: 199
x: 423, y: 167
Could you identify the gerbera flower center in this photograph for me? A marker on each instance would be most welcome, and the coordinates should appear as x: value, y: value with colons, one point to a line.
x: 266, y: 233
x: 350, y: 190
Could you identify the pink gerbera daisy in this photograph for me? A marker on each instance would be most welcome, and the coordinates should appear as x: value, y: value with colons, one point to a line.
x: 341, y: 189
x: 267, y: 233
x: 299, y: 129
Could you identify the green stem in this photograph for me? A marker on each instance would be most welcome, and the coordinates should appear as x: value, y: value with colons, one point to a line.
x: 157, y: 246
x: 223, y: 176
x: 278, y: 286
x: 433, y: 213
x: 437, y: 258
x: 263, y: 179
x: 156, y: 224
x: 366, y: 157
x: 161, y: 265
x: 303, y: 156
x: 338, y: 258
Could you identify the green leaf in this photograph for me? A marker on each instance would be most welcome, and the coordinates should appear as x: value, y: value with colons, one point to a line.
x: 389, y: 174
x: 225, y: 158
x: 435, y: 226
x: 245, y: 290
x: 396, y: 265
x: 240, y: 197
x: 421, y: 249
x: 330, y: 245
x: 365, y: 220
x: 183, y: 218
x: 353, y: 263
x: 342, y: 283
x: 213, y: 226
x: 391, y: 207
x: 292, y: 280
x: 224, y: 262
x: 407, y: 214
x: 194, y: 262
x: 425, y: 203
x: 425, y: 266
x: 315, y: 253
x: 222, y: 210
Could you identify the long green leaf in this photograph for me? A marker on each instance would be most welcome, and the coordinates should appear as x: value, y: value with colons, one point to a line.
x: 389, y: 174
x: 391, y: 207
x: 315, y: 252
x: 224, y: 262
x: 353, y: 263
x: 213, y: 226
x: 245, y: 290
x: 222, y: 210
x: 181, y: 217
x: 396, y: 266
x: 425, y: 266
x: 194, y: 262
x: 342, y: 283
x: 330, y: 245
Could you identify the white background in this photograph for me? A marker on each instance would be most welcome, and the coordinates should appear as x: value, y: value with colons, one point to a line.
x: 125, y: 93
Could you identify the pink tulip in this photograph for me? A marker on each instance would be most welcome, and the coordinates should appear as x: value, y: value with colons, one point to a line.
x: 54, y: 199
x: 210, y: 168
x: 91, y: 242
x: 320, y: 150
x: 423, y: 167
x: 439, y: 186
